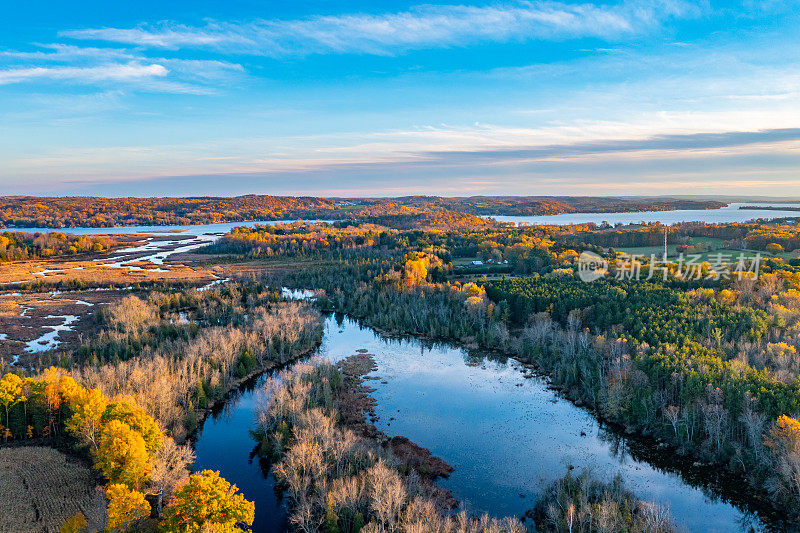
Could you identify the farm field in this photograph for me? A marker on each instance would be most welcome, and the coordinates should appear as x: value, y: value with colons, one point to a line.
x: 40, y: 488
x: 711, y: 255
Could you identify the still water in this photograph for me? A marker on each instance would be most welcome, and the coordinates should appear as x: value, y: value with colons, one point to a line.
x: 507, y: 436
x: 730, y: 213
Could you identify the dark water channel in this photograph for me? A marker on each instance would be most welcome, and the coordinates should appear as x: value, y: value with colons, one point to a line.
x: 507, y: 436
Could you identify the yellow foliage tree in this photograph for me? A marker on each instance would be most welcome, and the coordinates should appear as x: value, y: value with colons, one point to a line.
x: 207, y: 502
x: 68, y: 386
x: 122, y: 454
x: 415, y: 272
x: 10, y: 393
x: 74, y: 524
x: 51, y: 379
x: 125, y: 508
x: 126, y: 410
x: 87, y: 406
x: 784, y: 441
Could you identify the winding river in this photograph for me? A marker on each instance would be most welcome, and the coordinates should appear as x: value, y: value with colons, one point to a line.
x: 507, y: 435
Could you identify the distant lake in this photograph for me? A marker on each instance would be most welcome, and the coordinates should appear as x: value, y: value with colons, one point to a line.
x: 731, y: 213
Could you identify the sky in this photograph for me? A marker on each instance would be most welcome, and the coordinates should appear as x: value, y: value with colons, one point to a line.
x: 389, y: 98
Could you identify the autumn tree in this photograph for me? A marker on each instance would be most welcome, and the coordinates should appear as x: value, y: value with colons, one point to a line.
x: 10, y: 392
x: 170, y: 468
x: 126, y: 508
x: 122, y: 454
x: 126, y: 410
x: 207, y: 502
x: 784, y: 441
x: 51, y: 379
x: 774, y: 248
x: 415, y: 272
x: 75, y: 524
x: 88, y: 406
x: 131, y: 314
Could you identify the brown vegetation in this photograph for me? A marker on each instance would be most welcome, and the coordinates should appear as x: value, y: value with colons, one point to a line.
x: 174, y: 382
x: 355, y: 404
x: 584, y: 504
x: 40, y: 488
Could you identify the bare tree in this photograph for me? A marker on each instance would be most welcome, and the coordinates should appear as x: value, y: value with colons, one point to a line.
x: 388, y: 494
x: 170, y: 467
x: 673, y: 416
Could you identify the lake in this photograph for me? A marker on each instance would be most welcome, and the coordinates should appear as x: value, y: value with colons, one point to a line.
x: 730, y: 213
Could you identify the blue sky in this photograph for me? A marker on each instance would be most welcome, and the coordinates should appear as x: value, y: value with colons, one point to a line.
x: 393, y: 98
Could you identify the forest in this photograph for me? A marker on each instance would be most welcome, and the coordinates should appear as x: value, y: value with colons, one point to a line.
x: 707, y: 366
x: 70, y: 212
x: 20, y: 246
x: 553, y: 205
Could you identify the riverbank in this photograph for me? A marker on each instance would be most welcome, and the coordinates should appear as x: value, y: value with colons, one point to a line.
x: 355, y: 404
x: 336, y: 477
x: 214, y: 405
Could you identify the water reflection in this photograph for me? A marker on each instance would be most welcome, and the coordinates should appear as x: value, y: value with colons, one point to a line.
x: 504, y: 430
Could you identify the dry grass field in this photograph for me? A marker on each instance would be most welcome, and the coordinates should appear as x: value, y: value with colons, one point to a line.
x: 95, y: 273
x: 104, y: 268
x: 40, y: 488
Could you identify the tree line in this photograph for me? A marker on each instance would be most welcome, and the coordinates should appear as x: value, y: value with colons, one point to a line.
x: 18, y: 245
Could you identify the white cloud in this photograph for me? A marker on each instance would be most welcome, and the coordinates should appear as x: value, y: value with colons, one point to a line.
x: 87, y: 65
x: 112, y: 72
x: 428, y: 26
x: 56, y: 52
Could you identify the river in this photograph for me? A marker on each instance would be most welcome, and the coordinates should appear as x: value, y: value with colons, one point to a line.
x: 508, y: 436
